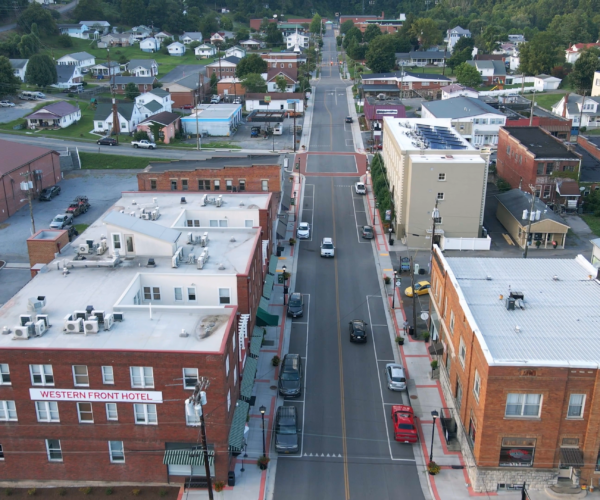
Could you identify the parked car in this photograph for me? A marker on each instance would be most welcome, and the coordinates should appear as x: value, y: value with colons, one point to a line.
x: 403, y: 419
x: 61, y: 221
x: 215, y: 99
x: 143, y: 144
x: 360, y: 188
x: 7, y: 104
x: 349, y: 119
x: 395, y: 376
x: 286, y: 431
x: 422, y: 288
x: 303, y: 231
x: 187, y: 106
x: 78, y: 206
x: 50, y: 192
x: 327, y: 248
x: 358, y: 330
x: 367, y: 233
x: 107, y: 141
x: 290, y: 376
x: 295, y: 307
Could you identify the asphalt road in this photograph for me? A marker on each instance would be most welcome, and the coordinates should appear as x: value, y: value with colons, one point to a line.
x: 348, y: 450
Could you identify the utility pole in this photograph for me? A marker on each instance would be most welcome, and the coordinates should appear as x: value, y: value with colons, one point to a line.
x: 444, y: 67
x: 28, y: 184
x: 414, y: 295
x: 434, y: 215
x: 197, y: 130
x: 581, y: 111
x: 531, y: 112
x: 116, y: 128
x: 531, y: 216
x: 294, y: 127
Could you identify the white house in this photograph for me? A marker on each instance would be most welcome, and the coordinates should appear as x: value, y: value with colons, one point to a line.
x: 149, y: 44
x: 516, y: 39
x: 514, y: 62
x: 205, y: 50
x: 191, y: 36
x: 235, y: 51
x: 217, y: 38
x: 104, y: 69
x: 290, y: 77
x: 59, y: 114
x: 102, y: 27
x: 296, y: 39
x: 19, y: 67
x: 250, y: 44
x: 457, y: 90
x: 79, y: 59
x: 140, y: 32
x: 279, y: 102
x: 142, y: 67
x: 155, y: 101
x: 68, y: 75
x: 176, y: 49
x: 575, y: 50
x: 572, y: 109
x: 162, y: 36
x: 75, y: 30
x: 475, y: 120
x: 545, y: 82
x: 455, y: 34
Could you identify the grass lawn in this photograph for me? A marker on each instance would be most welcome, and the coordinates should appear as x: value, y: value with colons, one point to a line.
x: 546, y: 101
x: 80, y: 228
x: 95, y: 161
x: 593, y: 222
x: 218, y: 145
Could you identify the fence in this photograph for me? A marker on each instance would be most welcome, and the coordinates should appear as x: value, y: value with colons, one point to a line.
x: 465, y: 243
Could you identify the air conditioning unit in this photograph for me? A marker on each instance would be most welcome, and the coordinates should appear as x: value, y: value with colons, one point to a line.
x: 219, y: 201
x: 174, y: 261
x: 74, y: 325
x: 109, y: 321
x: 20, y: 333
x: 84, y: 248
x: 145, y: 216
x: 204, y: 240
x: 25, y: 318
x: 40, y: 328
x: 90, y: 326
x: 155, y: 214
x: 190, y: 238
x: 101, y: 247
x: 44, y: 318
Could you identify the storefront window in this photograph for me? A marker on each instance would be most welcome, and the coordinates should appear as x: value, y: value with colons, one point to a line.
x: 517, y: 452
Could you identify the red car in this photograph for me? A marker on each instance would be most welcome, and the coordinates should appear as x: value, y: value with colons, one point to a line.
x: 403, y: 418
x: 187, y: 106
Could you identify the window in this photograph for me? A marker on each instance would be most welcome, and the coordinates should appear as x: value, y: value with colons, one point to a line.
x: 242, y: 185
x: 451, y: 321
x: 54, y: 450
x: 116, y: 241
x: 549, y: 168
x: 569, y: 168
x: 227, y: 366
x: 441, y: 177
x: 191, y: 294
x: 151, y: 293
x: 84, y: 410
x: 523, y: 405
x: 8, y: 411
x: 229, y: 185
x: 173, y: 184
x: 228, y: 400
x: 117, y: 454
x: 517, y: 452
x: 248, y: 223
x: 265, y: 185
x: 111, y: 412
x: 184, y: 184
x: 41, y: 374
x: 190, y: 378
x: 224, y: 297
x: 178, y: 294
x: 4, y: 374
x: 203, y: 185
x: 459, y: 394
x: 540, y: 168
x: 145, y: 414
x: 47, y: 411
x: 80, y: 376
x: 440, y: 196
x: 142, y: 376
x: 576, y: 404
x: 472, y: 431
x: 1, y: 453
x: 507, y: 150
x: 223, y: 223
x: 217, y: 185
x: 462, y: 352
x: 108, y: 376
x: 152, y: 184
x: 445, y: 307
x: 476, y: 385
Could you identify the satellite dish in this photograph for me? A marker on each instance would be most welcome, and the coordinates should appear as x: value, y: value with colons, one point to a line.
x: 424, y: 316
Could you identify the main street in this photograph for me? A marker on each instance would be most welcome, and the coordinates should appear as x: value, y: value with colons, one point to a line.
x: 348, y: 450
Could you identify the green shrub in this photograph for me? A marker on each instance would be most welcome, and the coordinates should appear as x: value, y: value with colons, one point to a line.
x: 85, y: 491
x: 141, y: 135
x: 163, y: 493
x: 62, y: 491
x: 108, y: 491
x: 32, y: 492
x: 502, y: 185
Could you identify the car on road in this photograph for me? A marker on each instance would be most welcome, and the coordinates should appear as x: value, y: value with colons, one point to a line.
x: 61, y: 221
x: 360, y: 188
x: 144, y: 144
x: 215, y: 99
x: 187, y: 106
x: 7, y: 104
x: 50, y: 192
x: 107, y: 141
x: 327, y: 248
x: 295, y: 307
x: 285, y: 430
x: 349, y: 119
x: 237, y: 100
x: 303, y: 231
x: 422, y: 288
x: 395, y: 376
x: 367, y: 232
x: 290, y: 376
x: 358, y: 330
x: 403, y: 418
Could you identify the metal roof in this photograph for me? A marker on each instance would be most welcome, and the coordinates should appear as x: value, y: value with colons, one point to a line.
x: 515, y: 201
x: 142, y: 226
x: 18, y: 63
x: 79, y: 56
x: 540, y: 143
x: 238, y: 424
x: 459, y: 107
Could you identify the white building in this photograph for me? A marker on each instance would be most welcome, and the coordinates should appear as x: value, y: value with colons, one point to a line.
x: 286, y: 101
x: 296, y: 39
x: 79, y: 59
x: 60, y: 114
x: 150, y: 44
x: 176, y: 49
x: 214, y: 120
x: 575, y: 50
x: 455, y: 34
x: 205, y: 50
x: 456, y: 90
x: 143, y: 67
x: 19, y: 67
x: 191, y: 36
x: 570, y: 107
x: 596, y: 84
x: 541, y: 83
x: 235, y: 51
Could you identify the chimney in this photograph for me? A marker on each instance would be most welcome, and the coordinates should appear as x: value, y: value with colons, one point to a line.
x: 564, y: 112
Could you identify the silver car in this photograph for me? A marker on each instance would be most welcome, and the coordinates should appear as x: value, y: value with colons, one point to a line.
x: 61, y: 221
x: 395, y: 376
x: 303, y: 231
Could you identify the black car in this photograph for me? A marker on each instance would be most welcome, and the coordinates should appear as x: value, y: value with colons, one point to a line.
x: 107, y: 141
x: 285, y: 430
x: 295, y: 305
x: 348, y: 119
x: 358, y: 330
x: 367, y: 232
x: 290, y: 376
x: 48, y: 193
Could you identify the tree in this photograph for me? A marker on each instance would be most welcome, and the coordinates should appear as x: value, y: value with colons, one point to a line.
x: 281, y: 83
x: 539, y: 55
x: 41, y: 71
x: 381, y: 54
x: 241, y: 34
x: 464, y: 42
x: 64, y: 41
x: 213, y: 83
x: 426, y: 31
x: 155, y: 128
x: 226, y: 23
x: 273, y: 36
x: 10, y: 47
x: 88, y: 9
x: 352, y: 34
x: 254, y: 84
x: 345, y: 27
x: 132, y: 91
x: 402, y: 42
x: 458, y: 57
x: 490, y: 37
x: 468, y: 75
x: 371, y: 32
x: 315, y: 24
x: 35, y: 13
x: 252, y: 63
x: 582, y: 76
x: 28, y: 46
x: 9, y: 83
x: 355, y: 51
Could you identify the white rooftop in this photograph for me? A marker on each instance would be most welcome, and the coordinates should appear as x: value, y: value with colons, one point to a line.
x: 213, y: 111
x: 559, y: 322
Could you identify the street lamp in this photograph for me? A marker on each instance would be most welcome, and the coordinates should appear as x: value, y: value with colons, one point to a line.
x: 262, y: 410
x: 435, y: 415
x: 390, y: 230
x: 285, y: 288
x: 398, y: 283
x: 375, y: 211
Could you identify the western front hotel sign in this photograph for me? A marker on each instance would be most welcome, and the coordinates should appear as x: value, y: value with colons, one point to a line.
x: 79, y: 395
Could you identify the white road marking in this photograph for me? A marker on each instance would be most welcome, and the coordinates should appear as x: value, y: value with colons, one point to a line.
x: 360, y: 240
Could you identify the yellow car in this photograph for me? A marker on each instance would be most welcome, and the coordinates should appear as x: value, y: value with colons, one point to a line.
x: 422, y: 288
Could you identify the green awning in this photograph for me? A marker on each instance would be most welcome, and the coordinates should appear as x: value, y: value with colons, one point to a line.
x: 238, y: 424
x: 263, y: 317
x: 273, y: 261
x: 256, y: 342
x: 268, y: 286
x: 188, y: 456
x: 248, y: 378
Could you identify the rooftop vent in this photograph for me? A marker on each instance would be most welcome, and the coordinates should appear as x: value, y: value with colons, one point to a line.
x: 221, y: 267
x: 488, y: 277
x: 241, y: 204
x: 517, y: 329
x: 517, y: 295
x: 233, y: 240
x: 151, y: 263
x: 183, y: 202
x: 133, y: 202
x: 555, y: 277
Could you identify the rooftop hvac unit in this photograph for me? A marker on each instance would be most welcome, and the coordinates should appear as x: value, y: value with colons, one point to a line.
x: 91, y: 325
x: 100, y: 316
x: 79, y: 315
x: 155, y: 214
x: 101, y: 247
x: 44, y: 318
x: 132, y: 214
x: 180, y: 253
x: 190, y: 238
x: 109, y: 321
x: 84, y: 248
x: 21, y: 332
x: 74, y: 325
x: 204, y: 240
x: 40, y: 328
x: 204, y: 200
x: 219, y: 201
x: 191, y: 258
x: 25, y: 318
x: 174, y: 261
x: 145, y: 216
x: 37, y: 303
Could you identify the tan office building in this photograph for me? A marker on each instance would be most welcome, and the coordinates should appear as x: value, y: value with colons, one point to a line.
x: 428, y: 161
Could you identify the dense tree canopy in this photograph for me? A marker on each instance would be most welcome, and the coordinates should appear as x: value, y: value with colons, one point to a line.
x: 41, y: 71
x: 252, y: 63
x: 315, y: 24
x: 582, y: 76
x: 371, y: 32
x: 468, y: 75
x: 9, y: 83
x: 381, y: 54
x: 539, y: 55
x: 36, y: 14
x: 254, y: 84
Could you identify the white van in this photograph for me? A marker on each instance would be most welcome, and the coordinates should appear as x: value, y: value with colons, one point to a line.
x: 327, y: 248
x: 27, y: 96
x: 39, y: 95
x: 278, y: 130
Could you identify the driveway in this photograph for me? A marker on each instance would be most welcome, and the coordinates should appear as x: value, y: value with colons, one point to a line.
x: 21, y: 109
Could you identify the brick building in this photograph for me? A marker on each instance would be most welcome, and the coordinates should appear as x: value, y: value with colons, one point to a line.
x: 282, y: 60
x: 155, y: 294
x: 557, y: 125
x: 531, y: 156
x: 17, y: 158
x: 423, y: 84
x: 224, y: 67
x: 43, y: 246
x: 520, y: 384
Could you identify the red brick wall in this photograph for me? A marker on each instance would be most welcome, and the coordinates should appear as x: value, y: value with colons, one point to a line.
x: 223, y: 72
x: 558, y: 128
x: 42, y: 251
x: 590, y: 147
x: 181, y: 99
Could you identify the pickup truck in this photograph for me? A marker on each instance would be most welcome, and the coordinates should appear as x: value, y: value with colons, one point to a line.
x: 143, y: 144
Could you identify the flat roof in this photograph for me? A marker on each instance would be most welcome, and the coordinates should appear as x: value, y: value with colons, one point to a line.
x: 459, y: 107
x: 540, y: 143
x: 213, y: 112
x: 426, y: 134
x: 558, y: 325
x: 215, y: 163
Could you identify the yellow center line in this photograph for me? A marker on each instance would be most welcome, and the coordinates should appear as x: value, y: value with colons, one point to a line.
x: 340, y: 357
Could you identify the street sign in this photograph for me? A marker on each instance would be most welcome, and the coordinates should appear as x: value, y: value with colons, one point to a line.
x: 398, y: 282
x: 267, y: 98
x: 388, y: 215
x: 424, y: 316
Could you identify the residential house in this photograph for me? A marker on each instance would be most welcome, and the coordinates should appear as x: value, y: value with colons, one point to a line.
x: 144, y: 83
x: 531, y: 156
x: 596, y: 84
x: 205, y: 51
x: 251, y: 44
x: 230, y: 87
x: 421, y: 58
x: 224, y: 67
x: 74, y: 30
x: 191, y: 36
x: 492, y: 72
x: 57, y: 115
x: 384, y: 25
x: 217, y: 38
x: 542, y: 82
x: 421, y: 84
x: 162, y: 36
x: 297, y: 39
x: 183, y: 91
x: 141, y: 32
x: 235, y: 51
x: 106, y: 69
x: 143, y: 67
x: 289, y: 102
x: 176, y: 49
x: 478, y: 122
x: 100, y: 27
x: 455, y: 34
x: 457, y: 90
x: 517, y: 39
x: 282, y: 59
x: 117, y: 39
x: 570, y: 107
x: 68, y: 75
x: 79, y: 59
x: 161, y: 99
x: 171, y: 125
x: 150, y: 44
x: 19, y: 67
x: 575, y: 50
x: 289, y: 75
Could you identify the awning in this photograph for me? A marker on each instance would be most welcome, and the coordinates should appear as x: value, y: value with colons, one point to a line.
x: 238, y: 424
x: 436, y: 349
x: 256, y: 342
x: 571, y: 457
x: 263, y: 317
x: 286, y: 198
x: 188, y: 456
x: 268, y: 286
x: 248, y: 378
x: 273, y: 261
x: 281, y: 229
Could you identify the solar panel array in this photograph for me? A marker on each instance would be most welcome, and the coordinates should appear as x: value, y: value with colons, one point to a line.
x: 439, y: 137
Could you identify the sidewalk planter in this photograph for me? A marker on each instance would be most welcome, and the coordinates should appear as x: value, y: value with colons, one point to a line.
x: 275, y: 360
x: 425, y: 336
x: 263, y: 462
x: 435, y: 371
x: 433, y: 468
x: 400, y: 340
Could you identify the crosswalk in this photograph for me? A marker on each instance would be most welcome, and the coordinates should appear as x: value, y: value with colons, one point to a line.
x: 328, y: 455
